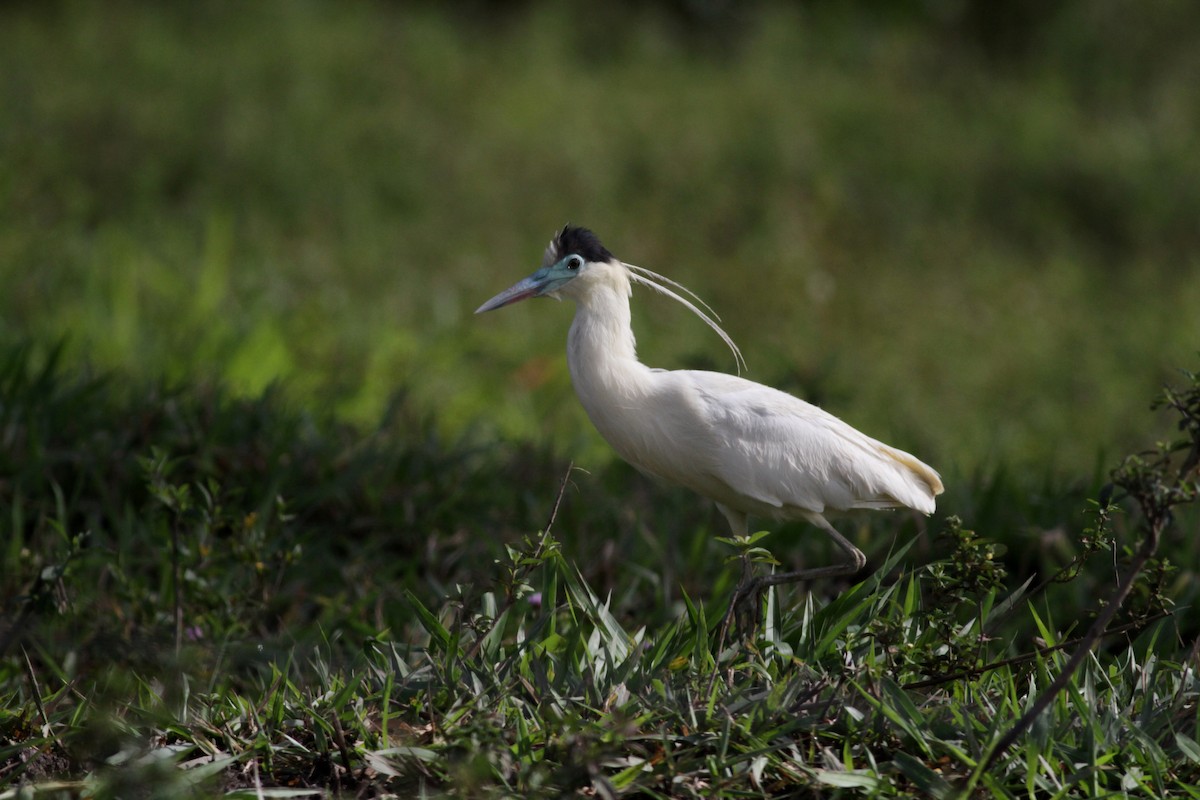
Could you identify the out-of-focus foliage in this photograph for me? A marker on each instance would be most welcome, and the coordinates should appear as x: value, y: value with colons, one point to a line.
x: 968, y: 228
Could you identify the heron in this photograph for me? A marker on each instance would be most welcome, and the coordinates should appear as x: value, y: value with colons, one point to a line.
x: 753, y: 450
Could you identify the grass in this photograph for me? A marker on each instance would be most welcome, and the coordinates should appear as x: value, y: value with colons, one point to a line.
x: 279, y: 518
x: 891, y: 221
x: 214, y: 596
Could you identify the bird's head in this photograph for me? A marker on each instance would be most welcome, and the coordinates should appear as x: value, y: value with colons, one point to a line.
x: 574, y: 259
x: 577, y: 266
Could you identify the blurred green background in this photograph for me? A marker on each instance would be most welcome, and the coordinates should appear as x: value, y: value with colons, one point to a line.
x: 971, y: 229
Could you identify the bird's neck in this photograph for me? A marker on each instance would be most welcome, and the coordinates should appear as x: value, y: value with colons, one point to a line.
x: 601, y: 350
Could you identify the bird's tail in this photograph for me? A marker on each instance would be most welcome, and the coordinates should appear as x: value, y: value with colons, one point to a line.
x: 924, y: 479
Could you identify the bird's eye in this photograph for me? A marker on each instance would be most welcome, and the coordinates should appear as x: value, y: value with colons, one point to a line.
x: 574, y: 262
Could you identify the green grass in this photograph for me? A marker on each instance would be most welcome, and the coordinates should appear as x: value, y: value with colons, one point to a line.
x: 989, y: 261
x: 208, y: 595
x: 275, y: 509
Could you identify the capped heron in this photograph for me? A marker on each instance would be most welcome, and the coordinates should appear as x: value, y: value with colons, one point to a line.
x: 752, y: 449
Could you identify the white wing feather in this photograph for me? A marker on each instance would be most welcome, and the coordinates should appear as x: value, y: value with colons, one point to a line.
x: 785, y: 452
x: 646, y: 277
x: 761, y: 450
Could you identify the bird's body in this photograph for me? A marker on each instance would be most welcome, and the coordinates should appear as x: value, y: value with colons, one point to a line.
x: 749, y: 447
x: 752, y: 449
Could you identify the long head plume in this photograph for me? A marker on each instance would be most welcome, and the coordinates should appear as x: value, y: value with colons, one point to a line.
x: 648, y: 278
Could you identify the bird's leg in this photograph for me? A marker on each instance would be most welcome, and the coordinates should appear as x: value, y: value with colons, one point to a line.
x: 746, y: 595
x: 735, y: 601
x: 745, y: 601
x: 744, y: 586
x: 739, y: 525
x: 855, y: 563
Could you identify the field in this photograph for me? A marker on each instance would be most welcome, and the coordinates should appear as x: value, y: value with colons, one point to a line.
x: 279, y: 517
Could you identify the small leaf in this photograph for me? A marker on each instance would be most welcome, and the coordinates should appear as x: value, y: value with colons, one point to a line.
x: 859, y: 779
x: 429, y: 621
x: 922, y: 776
x: 1187, y: 745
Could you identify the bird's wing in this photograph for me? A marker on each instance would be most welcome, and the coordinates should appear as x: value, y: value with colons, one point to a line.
x: 783, y: 453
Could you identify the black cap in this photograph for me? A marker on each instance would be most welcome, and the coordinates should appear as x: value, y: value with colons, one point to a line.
x: 581, y: 242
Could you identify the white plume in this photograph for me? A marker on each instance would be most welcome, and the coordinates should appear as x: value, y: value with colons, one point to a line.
x: 647, y: 278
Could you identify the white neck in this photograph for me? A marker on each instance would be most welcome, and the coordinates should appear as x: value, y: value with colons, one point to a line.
x: 601, y: 351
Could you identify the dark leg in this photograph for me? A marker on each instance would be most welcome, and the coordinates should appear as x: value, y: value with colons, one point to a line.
x: 744, y: 602
x: 738, y: 525
x: 855, y: 563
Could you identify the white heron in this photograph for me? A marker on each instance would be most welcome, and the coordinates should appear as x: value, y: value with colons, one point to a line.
x: 752, y: 449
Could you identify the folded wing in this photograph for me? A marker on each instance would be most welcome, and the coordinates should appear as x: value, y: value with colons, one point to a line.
x: 777, y: 451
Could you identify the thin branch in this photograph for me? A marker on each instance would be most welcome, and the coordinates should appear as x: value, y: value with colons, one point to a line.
x: 1026, y: 657
x: 510, y: 597
x: 1144, y: 554
x: 177, y: 579
x: 37, y: 698
x: 562, y: 489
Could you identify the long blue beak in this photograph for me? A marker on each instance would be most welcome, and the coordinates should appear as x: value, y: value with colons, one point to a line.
x: 545, y: 281
x: 529, y: 287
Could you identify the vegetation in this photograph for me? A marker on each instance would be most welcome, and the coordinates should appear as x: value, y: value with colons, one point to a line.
x: 988, y: 259
x: 209, y: 595
x: 278, y: 518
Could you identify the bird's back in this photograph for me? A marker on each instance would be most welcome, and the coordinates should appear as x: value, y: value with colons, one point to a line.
x: 761, y: 450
